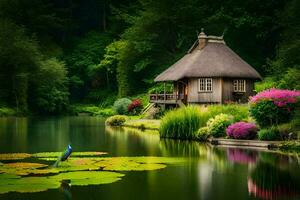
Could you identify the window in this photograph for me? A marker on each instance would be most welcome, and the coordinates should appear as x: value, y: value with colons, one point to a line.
x: 205, y: 84
x: 239, y: 85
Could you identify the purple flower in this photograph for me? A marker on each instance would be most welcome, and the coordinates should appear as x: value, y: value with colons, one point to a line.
x: 242, y: 130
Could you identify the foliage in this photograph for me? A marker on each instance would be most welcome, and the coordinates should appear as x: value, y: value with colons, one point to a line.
x: 132, y: 41
x: 161, y: 88
x: 121, y: 106
x: 6, y: 111
x: 242, y: 130
x: 182, y: 123
x: 19, y: 59
x: 217, y: 125
x: 273, y: 106
x: 203, y: 134
x: 269, y: 134
x: 83, y: 64
x: 116, y: 120
x: 135, y: 107
x: 288, y: 131
x: 238, y: 111
x: 50, y: 94
x: 290, y: 79
x: 267, y: 83
x: 93, y: 110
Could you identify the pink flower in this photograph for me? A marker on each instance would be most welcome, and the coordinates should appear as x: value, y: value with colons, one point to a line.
x: 279, y: 97
x: 242, y: 130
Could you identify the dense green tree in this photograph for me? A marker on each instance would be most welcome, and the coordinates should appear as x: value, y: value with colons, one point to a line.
x: 83, y: 64
x: 19, y: 59
x: 49, y: 88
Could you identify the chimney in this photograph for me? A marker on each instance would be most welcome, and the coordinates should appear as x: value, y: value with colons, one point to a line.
x: 202, y: 39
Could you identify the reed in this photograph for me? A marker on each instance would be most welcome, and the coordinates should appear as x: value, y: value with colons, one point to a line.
x: 182, y: 123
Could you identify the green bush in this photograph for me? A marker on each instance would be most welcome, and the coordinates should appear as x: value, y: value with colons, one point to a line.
x: 217, y: 125
x: 182, y: 123
x: 266, y: 113
x: 93, y: 110
x: 203, y: 134
x: 269, y: 134
x: 274, y: 106
x: 121, y: 106
x: 267, y: 83
x: 116, y: 120
x: 238, y: 111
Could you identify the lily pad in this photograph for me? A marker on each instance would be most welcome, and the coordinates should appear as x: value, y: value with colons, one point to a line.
x: 88, y: 178
x: 74, y: 154
x: 25, y: 165
x: 11, y: 183
x: 21, y: 168
x: 14, y: 156
x: 83, y: 168
x: 126, y: 164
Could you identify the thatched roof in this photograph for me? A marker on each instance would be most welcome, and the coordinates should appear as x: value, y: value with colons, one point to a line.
x: 215, y: 59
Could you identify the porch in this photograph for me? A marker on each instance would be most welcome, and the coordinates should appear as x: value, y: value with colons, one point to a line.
x: 177, y: 95
x: 167, y: 98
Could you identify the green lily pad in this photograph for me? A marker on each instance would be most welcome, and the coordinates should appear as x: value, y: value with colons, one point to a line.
x: 24, y: 165
x: 127, y: 164
x: 14, y: 156
x: 21, y: 168
x: 86, y: 169
x: 11, y: 183
x: 74, y: 154
x: 88, y: 178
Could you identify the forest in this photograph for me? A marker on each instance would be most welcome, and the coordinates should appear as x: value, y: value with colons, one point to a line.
x: 58, y: 53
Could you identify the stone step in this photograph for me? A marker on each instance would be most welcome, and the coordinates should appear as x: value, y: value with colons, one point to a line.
x: 248, y: 143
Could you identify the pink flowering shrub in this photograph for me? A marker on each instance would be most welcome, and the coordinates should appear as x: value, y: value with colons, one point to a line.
x: 242, y: 130
x: 273, y: 106
x: 135, y: 107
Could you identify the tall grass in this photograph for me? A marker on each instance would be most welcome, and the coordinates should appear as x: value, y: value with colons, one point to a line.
x: 183, y: 123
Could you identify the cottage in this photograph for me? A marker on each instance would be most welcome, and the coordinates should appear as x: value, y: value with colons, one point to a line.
x: 209, y: 73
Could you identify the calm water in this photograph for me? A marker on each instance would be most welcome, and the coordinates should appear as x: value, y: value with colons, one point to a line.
x: 210, y: 173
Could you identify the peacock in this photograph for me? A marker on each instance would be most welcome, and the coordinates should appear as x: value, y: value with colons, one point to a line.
x: 64, y: 156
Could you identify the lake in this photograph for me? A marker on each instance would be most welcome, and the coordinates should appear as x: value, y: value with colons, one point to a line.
x: 209, y: 172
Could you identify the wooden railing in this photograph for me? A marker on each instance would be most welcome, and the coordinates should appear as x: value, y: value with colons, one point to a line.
x: 166, y: 97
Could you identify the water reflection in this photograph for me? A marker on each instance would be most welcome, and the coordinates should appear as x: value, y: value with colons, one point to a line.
x: 267, y: 181
x: 209, y: 173
x: 65, y: 188
x: 242, y: 156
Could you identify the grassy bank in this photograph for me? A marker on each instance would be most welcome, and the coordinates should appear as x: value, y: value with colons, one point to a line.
x: 92, y: 110
x: 150, y: 124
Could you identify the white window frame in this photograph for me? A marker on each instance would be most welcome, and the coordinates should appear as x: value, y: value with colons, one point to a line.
x: 205, y: 85
x: 239, y: 85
